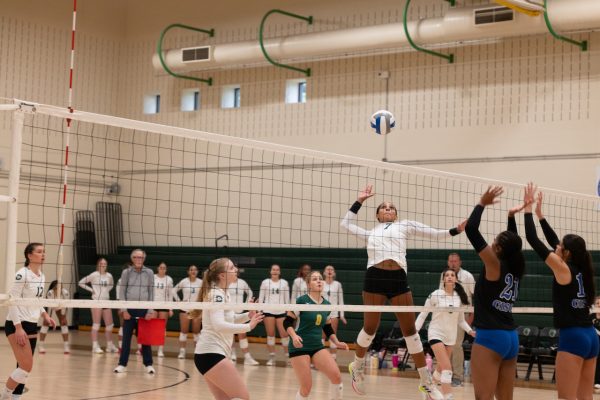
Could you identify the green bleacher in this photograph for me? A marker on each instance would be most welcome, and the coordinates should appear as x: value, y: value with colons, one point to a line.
x: 424, y: 267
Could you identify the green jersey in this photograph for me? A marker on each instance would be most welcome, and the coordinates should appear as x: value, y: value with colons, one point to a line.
x: 310, y: 327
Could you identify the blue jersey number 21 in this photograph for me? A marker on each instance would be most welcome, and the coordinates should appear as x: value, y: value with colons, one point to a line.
x: 511, y: 290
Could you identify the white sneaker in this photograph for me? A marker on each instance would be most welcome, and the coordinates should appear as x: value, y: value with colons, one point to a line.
x: 16, y: 397
x: 41, y: 349
x: 97, y: 350
x: 181, y: 355
x: 233, y: 356
x: 271, y: 361
x: 111, y: 348
x: 160, y: 354
x: 150, y: 369
x: 430, y: 391
x: 120, y: 369
x: 248, y: 360
x: 66, y: 348
x: 357, y: 375
x: 449, y: 396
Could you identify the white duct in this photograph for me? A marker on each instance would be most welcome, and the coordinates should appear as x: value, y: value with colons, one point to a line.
x: 455, y: 27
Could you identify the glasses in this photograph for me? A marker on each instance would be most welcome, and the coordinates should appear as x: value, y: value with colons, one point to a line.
x: 137, y: 257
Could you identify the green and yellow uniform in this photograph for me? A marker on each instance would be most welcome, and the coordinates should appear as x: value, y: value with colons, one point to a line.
x: 310, y: 327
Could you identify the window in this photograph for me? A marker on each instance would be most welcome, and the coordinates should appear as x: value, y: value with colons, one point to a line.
x: 152, y: 103
x: 190, y: 100
x: 295, y: 91
x: 231, y: 97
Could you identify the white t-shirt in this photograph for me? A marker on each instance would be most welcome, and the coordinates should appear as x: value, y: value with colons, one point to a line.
x: 272, y: 292
x: 299, y: 288
x: 99, y: 285
x: 219, y: 326
x: 334, y: 294
x: 237, y: 291
x: 443, y: 323
x: 163, y: 288
x: 189, y: 289
x: 26, y: 285
x: 387, y: 241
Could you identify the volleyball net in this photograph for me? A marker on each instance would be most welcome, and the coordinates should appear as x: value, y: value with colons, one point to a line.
x: 187, y: 197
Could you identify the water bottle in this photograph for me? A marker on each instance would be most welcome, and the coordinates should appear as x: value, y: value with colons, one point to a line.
x: 429, y: 362
x: 467, y: 367
x: 374, y: 361
x: 395, y: 362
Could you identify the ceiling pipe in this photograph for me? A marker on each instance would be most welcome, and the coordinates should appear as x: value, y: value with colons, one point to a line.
x: 454, y: 28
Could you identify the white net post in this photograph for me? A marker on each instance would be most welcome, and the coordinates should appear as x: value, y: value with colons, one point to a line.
x: 13, y: 194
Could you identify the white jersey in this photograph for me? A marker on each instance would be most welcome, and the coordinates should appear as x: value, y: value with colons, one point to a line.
x: 64, y: 296
x: 299, y: 288
x: 387, y: 241
x: 443, y: 323
x: 189, y: 289
x: 466, y: 280
x: 272, y: 292
x: 219, y: 326
x: 163, y: 288
x: 334, y: 294
x: 237, y: 291
x: 99, y: 285
x: 27, y: 285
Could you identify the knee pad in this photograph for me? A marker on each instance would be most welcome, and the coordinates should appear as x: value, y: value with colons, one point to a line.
x: 109, y: 328
x: 446, y: 376
x: 95, y: 327
x: 121, y: 331
x: 44, y: 329
x: 64, y: 330
x: 332, y: 345
x: 414, y: 344
x: 243, y: 343
x: 364, y: 339
x: 336, y: 390
x: 182, y: 337
x: 196, y: 336
x: 270, y: 340
x: 19, y: 375
x: 285, y: 342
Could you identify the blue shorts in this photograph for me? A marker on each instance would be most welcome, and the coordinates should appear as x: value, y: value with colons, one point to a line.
x: 502, y: 341
x: 579, y: 340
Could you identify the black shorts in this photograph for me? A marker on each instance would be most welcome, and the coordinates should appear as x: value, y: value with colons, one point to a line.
x: 388, y: 283
x: 204, y: 362
x: 309, y: 353
x: 435, y: 341
x: 276, y: 316
x: 31, y: 328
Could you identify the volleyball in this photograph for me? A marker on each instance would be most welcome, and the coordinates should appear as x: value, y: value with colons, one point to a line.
x: 382, y: 122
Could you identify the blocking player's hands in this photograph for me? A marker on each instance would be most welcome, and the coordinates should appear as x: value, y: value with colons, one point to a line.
x: 490, y: 195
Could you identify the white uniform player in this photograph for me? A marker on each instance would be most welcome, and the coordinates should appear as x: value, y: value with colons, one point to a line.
x: 61, y: 314
x: 272, y: 292
x: 163, y: 289
x: 334, y: 293
x: 189, y: 290
x: 443, y: 323
x: 99, y: 285
x: 240, y: 292
x: 299, y: 288
x: 27, y: 285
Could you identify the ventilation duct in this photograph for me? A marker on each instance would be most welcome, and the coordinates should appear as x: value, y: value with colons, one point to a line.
x: 459, y: 25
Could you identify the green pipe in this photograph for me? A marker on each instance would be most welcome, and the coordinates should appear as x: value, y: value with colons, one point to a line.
x: 210, y: 33
x: 582, y: 44
x: 308, y: 19
x: 449, y: 57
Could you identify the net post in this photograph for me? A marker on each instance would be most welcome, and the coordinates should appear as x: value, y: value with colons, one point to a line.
x: 18, y: 120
